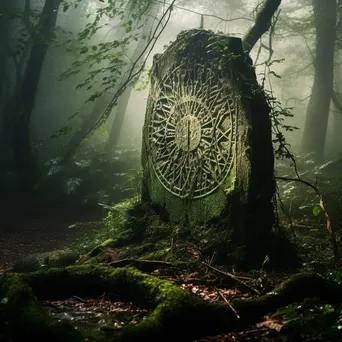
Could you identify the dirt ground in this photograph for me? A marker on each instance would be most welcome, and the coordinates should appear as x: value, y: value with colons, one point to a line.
x: 25, y: 235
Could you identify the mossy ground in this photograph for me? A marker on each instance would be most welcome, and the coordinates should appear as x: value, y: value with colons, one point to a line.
x: 142, y: 232
x: 177, y: 314
x: 138, y: 233
x: 170, y: 304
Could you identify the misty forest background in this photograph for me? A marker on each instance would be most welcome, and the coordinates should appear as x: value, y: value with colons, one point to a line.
x: 74, y: 83
x: 74, y: 86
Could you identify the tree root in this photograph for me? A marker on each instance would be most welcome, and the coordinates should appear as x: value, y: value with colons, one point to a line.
x: 142, y: 265
x: 177, y: 315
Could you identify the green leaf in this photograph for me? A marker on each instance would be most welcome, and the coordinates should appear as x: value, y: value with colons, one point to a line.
x: 84, y: 50
x: 266, y: 261
x: 316, y: 210
x: 4, y: 300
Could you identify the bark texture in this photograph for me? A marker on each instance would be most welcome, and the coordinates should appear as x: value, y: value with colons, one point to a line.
x: 262, y: 23
x: 20, y: 107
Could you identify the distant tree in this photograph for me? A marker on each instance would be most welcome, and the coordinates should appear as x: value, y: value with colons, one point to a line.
x: 139, y: 53
x: 7, y: 11
x: 317, y: 115
x: 336, y: 139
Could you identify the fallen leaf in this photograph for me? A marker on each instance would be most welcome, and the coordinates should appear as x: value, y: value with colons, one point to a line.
x: 271, y: 325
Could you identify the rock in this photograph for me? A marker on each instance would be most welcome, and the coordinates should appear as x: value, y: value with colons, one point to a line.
x: 34, y: 262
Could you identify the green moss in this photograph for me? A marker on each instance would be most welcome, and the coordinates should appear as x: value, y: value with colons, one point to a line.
x: 172, y: 306
x: 26, y: 318
x: 163, y: 254
x: 98, y: 249
x: 36, y: 323
x: 296, y: 288
x: 30, y: 263
x: 177, y: 315
x: 33, y: 262
x: 16, y: 291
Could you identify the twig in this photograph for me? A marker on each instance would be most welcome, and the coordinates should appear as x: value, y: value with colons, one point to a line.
x: 80, y: 299
x: 228, y: 303
x: 211, y: 260
x: 232, y: 276
x: 330, y: 228
x: 208, y: 15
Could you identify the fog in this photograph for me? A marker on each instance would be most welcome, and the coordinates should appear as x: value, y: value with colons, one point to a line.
x: 82, y: 77
x: 57, y: 100
x: 180, y: 155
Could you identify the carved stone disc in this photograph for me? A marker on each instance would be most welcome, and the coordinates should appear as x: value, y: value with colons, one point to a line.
x: 192, y: 131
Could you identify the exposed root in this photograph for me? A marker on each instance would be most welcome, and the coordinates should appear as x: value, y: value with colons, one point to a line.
x: 176, y: 314
x: 143, y: 265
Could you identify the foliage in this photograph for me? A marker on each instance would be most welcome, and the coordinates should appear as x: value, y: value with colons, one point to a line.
x: 96, y: 175
x: 278, y: 114
x: 301, y: 201
x: 312, y: 317
x: 107, y: 63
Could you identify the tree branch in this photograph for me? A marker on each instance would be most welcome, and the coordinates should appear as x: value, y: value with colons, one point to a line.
x: 261, y: 24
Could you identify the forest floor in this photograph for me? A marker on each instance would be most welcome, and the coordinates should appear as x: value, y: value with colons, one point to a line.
x: 20, y: 237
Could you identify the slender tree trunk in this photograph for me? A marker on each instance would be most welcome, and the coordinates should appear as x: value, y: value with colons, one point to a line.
x: 121, y: 109
x: 319, y: 104
x: 119, y: 118
x: 100, y: 105
x: 24, y: 98
x: 336, y: 139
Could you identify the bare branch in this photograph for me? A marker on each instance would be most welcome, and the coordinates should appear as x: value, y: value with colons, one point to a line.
x: 208, y: 15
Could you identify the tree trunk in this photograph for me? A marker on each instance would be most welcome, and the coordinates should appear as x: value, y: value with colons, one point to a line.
x: 100, y: 105
x: 336, y: 139
x: 7, y: 8
x: 262, y: 23
x: 24, y: 158
x: 119, y: 118
x: 319, y: 104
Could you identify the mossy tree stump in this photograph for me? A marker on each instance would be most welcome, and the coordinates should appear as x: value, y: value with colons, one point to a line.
x: 207, y: 148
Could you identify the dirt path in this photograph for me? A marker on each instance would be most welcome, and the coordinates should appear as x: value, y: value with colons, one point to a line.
x: 36, y: 234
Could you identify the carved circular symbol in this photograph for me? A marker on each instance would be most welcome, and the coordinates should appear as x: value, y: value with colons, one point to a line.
x: 188, y: 133
x: 192, y: 131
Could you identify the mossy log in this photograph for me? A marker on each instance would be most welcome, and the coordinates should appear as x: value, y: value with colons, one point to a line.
x: 177, y: 315
x: 53, y: 259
